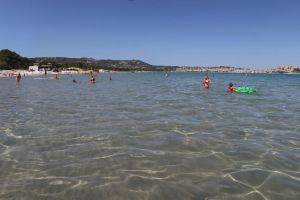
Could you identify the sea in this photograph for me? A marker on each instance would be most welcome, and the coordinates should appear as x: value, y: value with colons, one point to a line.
x: 150, y: 136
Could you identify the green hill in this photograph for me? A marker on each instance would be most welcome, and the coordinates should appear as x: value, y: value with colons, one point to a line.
x: 12, y: 60
x: 106, y: 64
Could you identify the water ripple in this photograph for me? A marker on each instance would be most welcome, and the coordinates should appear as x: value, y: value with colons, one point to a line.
x: 142, y: 136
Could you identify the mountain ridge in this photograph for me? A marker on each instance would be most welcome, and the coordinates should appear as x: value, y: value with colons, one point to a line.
x: 11, y: 60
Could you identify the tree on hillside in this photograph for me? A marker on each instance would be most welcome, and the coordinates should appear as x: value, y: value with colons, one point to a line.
x: 296, y: 70
x: 12, y: 60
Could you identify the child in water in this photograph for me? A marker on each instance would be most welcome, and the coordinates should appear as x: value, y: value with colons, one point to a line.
x: 230, y: 88
x: 206, y: 82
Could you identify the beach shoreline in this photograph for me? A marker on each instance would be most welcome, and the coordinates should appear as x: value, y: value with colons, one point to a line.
x: 14, y: 73
x: 24, y: 73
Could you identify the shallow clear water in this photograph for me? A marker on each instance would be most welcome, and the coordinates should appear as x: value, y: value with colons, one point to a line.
x: 144, y: 136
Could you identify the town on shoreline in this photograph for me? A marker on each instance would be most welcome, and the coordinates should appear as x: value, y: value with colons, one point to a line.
x: 286, y: 69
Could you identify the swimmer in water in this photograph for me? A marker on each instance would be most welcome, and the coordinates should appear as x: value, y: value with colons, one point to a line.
x: 74, y: 81
x: 206, y: 82
x: 92, y: 79
x: 18, y: 78
x: 230, y: 88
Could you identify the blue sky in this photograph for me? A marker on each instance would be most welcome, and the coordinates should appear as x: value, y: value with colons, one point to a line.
x: 245, y: 33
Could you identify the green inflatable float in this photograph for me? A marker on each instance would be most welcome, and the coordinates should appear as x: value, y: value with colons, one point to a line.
x: 247, y: 90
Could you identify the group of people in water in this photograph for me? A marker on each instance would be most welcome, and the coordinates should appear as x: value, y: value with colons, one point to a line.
x: 92, y: 79
x: 206, y: 83
x: 56, y: 77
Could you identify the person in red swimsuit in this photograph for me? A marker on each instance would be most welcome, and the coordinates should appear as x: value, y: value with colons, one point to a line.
x: 206, y: 82
x: 230, y: 88
x: 92, y: 79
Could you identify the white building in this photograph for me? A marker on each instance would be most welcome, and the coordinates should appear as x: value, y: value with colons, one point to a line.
x: 37, y: 67
x: 34, y: 68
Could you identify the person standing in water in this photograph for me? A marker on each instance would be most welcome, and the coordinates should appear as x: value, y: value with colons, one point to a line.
x: 18, y: 78
x: 56, y: 77
x: 206, y: 82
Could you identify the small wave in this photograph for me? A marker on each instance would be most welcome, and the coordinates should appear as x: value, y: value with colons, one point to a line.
x: 147, y: 171
x: 8, y: 132
x: 59, y: 182
x: 80, y: 183
x: 185, y: 133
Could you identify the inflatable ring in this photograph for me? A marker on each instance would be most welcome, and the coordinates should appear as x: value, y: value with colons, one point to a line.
x: 247, y: 90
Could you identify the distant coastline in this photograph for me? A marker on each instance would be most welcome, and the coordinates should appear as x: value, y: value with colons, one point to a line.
x: 224, y: 69
x: 12, y: 63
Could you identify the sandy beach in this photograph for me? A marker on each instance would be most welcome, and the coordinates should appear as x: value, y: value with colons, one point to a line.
x: 14, y: 73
